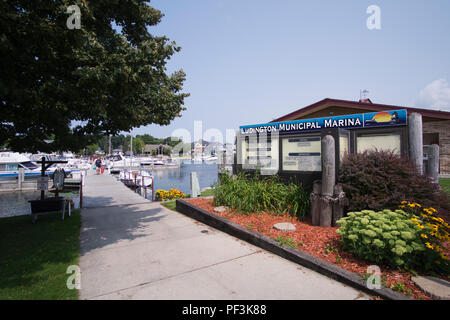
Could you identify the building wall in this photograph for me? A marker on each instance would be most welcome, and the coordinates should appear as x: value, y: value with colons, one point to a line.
x: 429, y: 125
x: 442, y: 127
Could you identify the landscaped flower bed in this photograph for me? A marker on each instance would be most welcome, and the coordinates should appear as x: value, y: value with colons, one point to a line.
x: 162, y: 195
x: 323, y: 243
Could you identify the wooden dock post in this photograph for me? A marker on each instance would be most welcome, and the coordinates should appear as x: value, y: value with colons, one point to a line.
x: 315, y: 202
x: 328, y: 181
x: 81, y: 190
x: 340, y: 201
x: 434, y: 162
x: 153, y: 188
x: 415, y: 140
x: 20, y: 178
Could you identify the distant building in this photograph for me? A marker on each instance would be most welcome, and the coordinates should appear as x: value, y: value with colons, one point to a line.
x: 151, y: 149
x: 199, y: 146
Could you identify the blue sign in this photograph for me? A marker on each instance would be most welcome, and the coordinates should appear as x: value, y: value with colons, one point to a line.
x: 351, y: 121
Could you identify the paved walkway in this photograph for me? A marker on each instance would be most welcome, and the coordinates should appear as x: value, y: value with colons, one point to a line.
x: 132, y: 248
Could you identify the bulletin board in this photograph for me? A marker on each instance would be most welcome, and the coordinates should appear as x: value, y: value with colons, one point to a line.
x: 301, y: 154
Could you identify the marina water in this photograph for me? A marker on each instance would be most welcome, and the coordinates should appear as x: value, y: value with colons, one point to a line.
x: 180, y: 178
x: 16, y: 203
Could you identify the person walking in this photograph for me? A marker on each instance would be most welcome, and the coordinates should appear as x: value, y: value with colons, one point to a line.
x: 98, y: 164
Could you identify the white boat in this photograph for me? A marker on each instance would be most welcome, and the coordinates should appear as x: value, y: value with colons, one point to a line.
x: 10, y: 162
x: 118, y: 161
x: 80, y: 164
x: 126, y: 177
x: 172, y: 163
x: 144, y: 179
x: 140, y: 178
x: 211, y: 159
x: 147, y: 161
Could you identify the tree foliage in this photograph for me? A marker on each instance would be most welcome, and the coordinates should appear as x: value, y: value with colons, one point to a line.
x: 77, y: 85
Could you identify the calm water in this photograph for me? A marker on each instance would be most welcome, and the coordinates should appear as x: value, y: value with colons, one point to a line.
x: 180, y: 178
x: 16, y: 203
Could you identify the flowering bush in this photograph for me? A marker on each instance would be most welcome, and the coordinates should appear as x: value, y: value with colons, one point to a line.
x: 434, y: 230
x: 169, y: 195
x: 392, y: 237
x: 378, y: 180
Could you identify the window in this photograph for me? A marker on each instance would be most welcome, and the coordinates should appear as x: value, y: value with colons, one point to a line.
x: 29, y: 165
x: 302, y: 154
x: 11, y: 167
x: 388, y: 141
x: 343, y: 145
x: 430, y: 138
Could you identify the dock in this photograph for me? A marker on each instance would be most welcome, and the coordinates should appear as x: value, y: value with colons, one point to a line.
x: 132, y: 248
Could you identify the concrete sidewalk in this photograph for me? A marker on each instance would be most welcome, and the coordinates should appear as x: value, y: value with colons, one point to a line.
x: 142, y: 250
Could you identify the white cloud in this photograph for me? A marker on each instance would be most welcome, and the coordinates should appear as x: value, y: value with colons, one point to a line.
x: 435, y: 95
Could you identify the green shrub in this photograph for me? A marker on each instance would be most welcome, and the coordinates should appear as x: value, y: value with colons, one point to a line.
x: 378, y: 180
x: 261, y: 194
x: 390, y: 237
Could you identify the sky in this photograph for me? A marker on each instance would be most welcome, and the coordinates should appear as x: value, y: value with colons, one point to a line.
x: 251, y: 61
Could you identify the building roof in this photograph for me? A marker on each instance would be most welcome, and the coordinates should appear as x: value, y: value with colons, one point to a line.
x: 362, y: 106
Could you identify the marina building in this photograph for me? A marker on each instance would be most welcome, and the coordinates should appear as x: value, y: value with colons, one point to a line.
x: 436, y: 123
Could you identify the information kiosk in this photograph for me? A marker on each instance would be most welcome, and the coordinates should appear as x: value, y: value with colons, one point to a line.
x: 292, y: 149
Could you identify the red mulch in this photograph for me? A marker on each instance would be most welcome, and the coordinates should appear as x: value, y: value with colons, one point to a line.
x: 314, y: 241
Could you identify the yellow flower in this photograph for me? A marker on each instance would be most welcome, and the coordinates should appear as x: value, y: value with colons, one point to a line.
x: 423, y: 235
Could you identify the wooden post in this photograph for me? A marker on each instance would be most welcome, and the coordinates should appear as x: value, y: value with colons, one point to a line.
x: 81, y: 191
x: 153, y: 188
x: 43, y: 175
x: 415, y: 140
x: 433, y: 161
x: 195, y: 187
x: 20, y: 178
x: 328, y: 180
x: 338, y: 204
x: 315, y: 202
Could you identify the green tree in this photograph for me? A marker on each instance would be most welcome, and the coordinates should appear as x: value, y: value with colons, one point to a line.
x: 91, y: 149
x: 138, y: 146
x: 117, y: 141
x: 78, y: 85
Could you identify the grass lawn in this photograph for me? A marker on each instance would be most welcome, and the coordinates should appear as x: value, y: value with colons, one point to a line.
x: 34, y: 258
x: 445, y: 184
x: 207, y: 193
x: 171, y: 205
